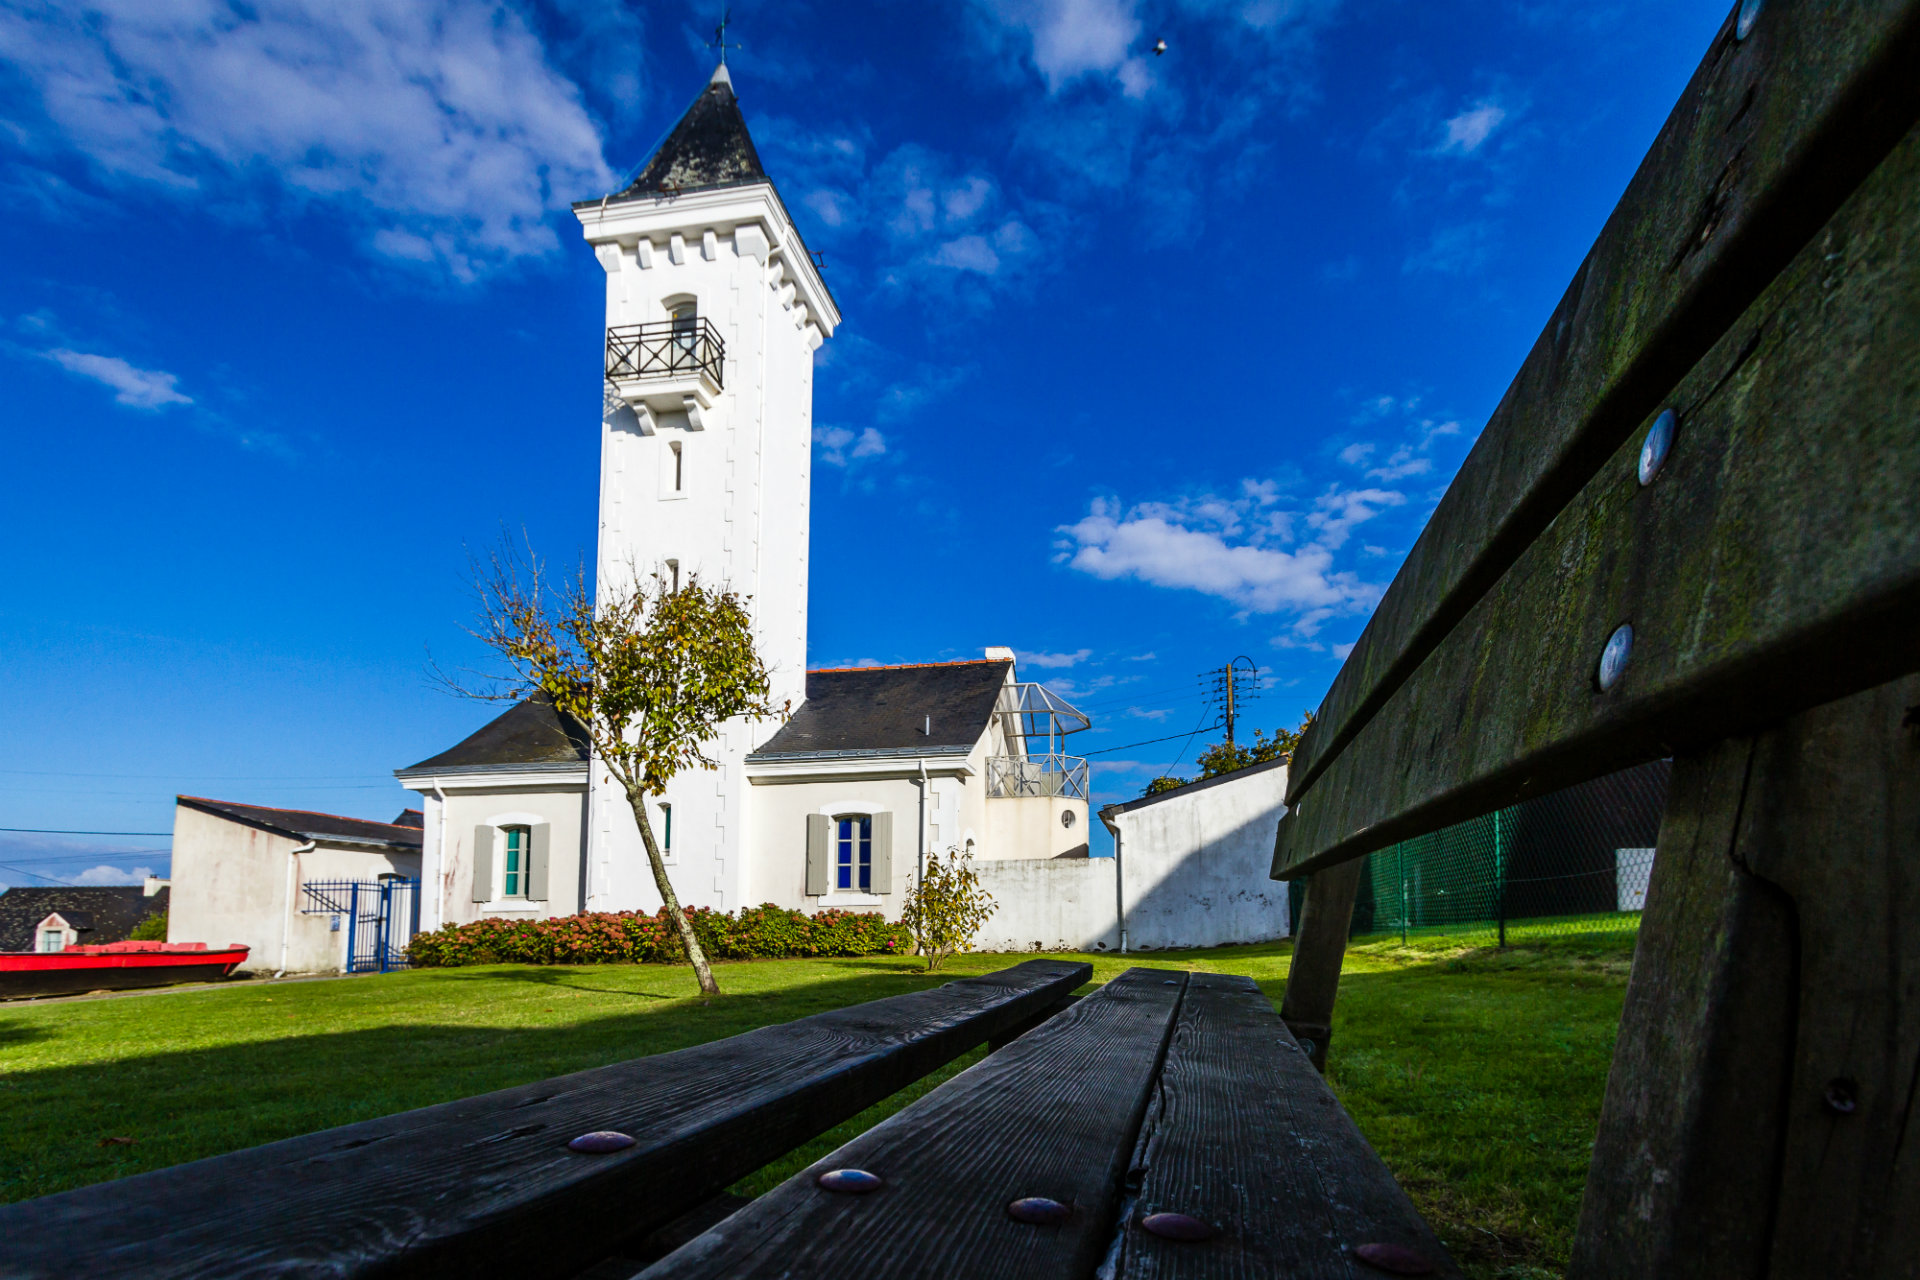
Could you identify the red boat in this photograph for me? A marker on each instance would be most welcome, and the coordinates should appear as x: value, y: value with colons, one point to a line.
x: 113, y: 966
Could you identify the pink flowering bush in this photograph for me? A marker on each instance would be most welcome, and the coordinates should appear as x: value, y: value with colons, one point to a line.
x: 765, y: 932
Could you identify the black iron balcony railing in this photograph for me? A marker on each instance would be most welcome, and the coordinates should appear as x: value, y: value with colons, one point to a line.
x: 666, y: 349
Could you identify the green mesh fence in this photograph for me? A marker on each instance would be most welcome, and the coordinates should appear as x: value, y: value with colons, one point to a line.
x: 1575, y: 861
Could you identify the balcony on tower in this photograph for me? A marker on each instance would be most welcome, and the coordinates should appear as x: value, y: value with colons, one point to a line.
x: 671, y: 366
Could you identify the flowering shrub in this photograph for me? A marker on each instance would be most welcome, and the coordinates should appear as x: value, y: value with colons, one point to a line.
x: 765, y: 932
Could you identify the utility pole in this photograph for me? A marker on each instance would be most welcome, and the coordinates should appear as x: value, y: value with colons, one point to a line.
x: 1232, y: 685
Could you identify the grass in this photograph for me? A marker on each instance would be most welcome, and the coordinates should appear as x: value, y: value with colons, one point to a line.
x: 1476, y: 1073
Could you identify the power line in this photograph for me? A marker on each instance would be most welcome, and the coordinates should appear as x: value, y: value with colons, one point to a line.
x: 62, y: 831
x: 1149, y: 742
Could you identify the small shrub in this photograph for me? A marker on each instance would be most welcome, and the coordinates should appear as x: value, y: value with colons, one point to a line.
x: 947, y: 907
x: 766, y: 932
x: 152, y: 929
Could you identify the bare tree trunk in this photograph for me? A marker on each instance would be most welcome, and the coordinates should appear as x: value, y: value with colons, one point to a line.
x: 637, y: 800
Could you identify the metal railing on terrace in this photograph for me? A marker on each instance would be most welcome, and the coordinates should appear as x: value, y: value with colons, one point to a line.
x: 1018, y: 777
x: 666, y: 349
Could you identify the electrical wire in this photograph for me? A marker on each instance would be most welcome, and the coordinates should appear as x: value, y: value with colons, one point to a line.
x: 1150, y: 741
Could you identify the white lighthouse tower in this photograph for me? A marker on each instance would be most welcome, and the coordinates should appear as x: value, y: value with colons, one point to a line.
x: 714, y: 311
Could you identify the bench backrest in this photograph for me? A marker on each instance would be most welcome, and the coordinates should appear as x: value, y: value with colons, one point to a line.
x: 1755, y: 283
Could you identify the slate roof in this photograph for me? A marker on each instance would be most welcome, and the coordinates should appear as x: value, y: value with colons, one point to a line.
x: 707, y: 150
x: 303, y: 824
x: 530, y: 736
x: 886, y: 709
x: 112, y: 912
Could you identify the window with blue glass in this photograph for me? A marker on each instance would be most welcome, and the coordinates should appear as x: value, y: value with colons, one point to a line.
x: 853, y: 854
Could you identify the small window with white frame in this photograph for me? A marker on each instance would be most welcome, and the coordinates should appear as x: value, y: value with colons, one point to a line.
x: 853, y: 853
x: 52, y: 938
x: 514, y: 867
x: 666, y: 829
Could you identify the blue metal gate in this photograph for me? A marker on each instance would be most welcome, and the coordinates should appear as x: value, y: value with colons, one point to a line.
x: 379, y: 918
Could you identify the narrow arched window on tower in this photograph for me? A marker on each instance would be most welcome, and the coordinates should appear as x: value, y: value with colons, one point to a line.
x: 679, y: 467
x: 673, y: 575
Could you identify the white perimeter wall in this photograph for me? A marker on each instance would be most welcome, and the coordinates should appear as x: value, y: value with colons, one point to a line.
x: 1192, y: 869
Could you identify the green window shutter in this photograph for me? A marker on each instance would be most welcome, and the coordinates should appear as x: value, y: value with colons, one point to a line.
x: 882, y: 878
x: 537, y: 862
x: 482, y: 864
x: 819, y: 852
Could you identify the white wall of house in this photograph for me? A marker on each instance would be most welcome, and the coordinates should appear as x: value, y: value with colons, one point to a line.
x: 457, y: 806
x: 740, y: 514
x: 232, y: 883
x: 1047, y: 904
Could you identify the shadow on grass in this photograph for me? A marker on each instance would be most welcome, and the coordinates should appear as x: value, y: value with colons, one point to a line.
x: 188, y: 1104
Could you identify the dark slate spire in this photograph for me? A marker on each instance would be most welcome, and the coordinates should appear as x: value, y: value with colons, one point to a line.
x: 709, y: 148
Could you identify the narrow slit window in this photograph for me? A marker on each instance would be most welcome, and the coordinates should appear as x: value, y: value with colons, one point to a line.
x: 679, y: 466
x: 513, y: 881
x: 666, y: 827
x: 673, y: 575
x: 853, y: 854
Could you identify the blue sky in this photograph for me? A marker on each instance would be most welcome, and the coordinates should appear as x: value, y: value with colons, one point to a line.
x: 1147, y: 361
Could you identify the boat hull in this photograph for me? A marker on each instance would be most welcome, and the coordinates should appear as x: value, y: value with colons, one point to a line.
x: 63, y: 973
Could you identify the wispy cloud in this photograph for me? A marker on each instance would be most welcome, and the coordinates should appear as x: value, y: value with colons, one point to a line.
x: 437, y: 130
x: 841, y: 446
x: 1247, y: 549
x: 134, y: 387
x: 1053, y: 661
x: 1466, y: 133
x: 104, y: 874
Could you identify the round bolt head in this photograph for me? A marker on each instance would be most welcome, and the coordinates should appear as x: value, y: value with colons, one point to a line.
x: 1039, y: 1211
x: 852, y: 1181
x: 1394, y: 1259
x: 1749, y: 12
x: 1659, y: 442
x: 1841, y: 1096
x: 1177, y: 1226
x: 1613, y: 658
x: 600, y: 1142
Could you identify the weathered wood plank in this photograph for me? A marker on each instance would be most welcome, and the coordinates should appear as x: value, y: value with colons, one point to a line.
x: 1245, y: 1136
x: 1833, y: 818
x: 1772, y: 564
x: 1682, y: 1177
x: 1769, y: 137
x: 1053, y: 1114
x: 1759, y: 1112
x: 1319, y: 952
x: 487, y: 1186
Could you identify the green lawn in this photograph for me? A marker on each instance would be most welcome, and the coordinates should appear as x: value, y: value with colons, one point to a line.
x: 1477, y: 1074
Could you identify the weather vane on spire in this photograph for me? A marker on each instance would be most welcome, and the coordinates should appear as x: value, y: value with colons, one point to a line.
x: 719, y: 40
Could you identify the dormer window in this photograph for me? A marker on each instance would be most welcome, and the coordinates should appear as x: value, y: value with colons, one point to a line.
x: 52, y: 938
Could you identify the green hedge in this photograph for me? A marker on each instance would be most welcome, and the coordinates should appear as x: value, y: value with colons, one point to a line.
x: 629, y: 937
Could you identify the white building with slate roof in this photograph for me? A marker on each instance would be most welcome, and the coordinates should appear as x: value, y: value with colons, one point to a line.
x: 714, y: 311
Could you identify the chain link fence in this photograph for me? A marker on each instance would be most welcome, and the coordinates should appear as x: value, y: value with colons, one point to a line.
x: 1576, y: 861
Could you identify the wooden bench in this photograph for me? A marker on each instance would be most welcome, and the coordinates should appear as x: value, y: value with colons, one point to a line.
x: 1692, y: 529
x: 1161, y: 1093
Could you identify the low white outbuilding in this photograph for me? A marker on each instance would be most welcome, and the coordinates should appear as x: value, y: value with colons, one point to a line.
x: 297, y: 888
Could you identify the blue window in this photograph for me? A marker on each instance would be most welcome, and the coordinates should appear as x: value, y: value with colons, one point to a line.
x: 853, y: 855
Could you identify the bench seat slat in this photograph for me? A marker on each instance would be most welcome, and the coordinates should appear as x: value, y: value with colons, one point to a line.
x: 1772, y: 565
x: 1053, y: 1114
x: 1245, y: 1135
x: 486, y: 1186
x: 1770, y: 135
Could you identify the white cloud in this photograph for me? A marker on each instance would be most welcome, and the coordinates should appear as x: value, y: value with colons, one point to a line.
x: 135, y: 387
x: 1235, y: 549
x: 1053, y: 661
x: 1341, y: 651
x: 1073, y: 38
x: 839, y: 446
x: 968, y: 253
x: 437, y: 130
x: 104, y: 874
x: 1465, y: 133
